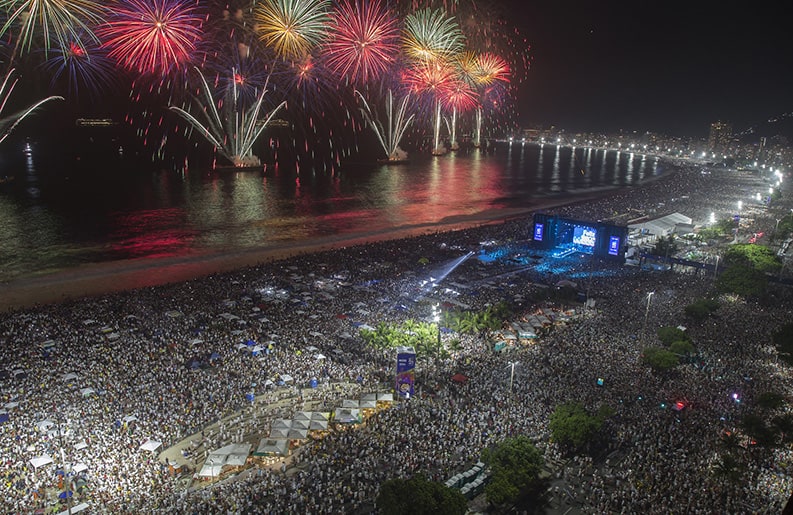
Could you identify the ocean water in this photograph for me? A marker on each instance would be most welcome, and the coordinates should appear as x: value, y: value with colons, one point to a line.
x: 55, y: 219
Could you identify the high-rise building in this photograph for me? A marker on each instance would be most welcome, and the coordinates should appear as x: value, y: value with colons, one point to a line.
x: 720, y: 136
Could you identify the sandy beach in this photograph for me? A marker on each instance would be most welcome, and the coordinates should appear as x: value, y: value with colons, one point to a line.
x: 104, y: 278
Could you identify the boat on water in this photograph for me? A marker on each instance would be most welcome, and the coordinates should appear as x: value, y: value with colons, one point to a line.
x: 6, y: 179
x: 232, y: 168
x: 393, y: 161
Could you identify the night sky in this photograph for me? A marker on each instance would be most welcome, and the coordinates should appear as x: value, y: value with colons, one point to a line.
x: 668, y: 67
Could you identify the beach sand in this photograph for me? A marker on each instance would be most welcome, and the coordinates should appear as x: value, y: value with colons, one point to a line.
x: 109, y: 277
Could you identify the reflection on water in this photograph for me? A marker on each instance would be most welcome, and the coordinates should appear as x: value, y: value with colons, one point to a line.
x: 55, y: 219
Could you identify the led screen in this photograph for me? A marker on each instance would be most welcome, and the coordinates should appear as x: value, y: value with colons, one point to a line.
x: 614, y: 245
x: 584, y: 236
x: 538, y: 228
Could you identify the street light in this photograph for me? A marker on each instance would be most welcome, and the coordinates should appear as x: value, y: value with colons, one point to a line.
x: 512, y: 374
x: 646, y: 314
x: 437, y: 317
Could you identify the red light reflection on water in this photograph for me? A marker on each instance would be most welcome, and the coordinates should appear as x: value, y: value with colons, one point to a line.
x: 152, y: 234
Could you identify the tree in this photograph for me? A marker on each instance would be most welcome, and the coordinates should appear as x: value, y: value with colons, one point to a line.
x: 418, y: 495
x: 682, y: 348
x: 770, y: 400
x: 660, y: 359
x: 572, y: 426
x: 515, y: 466
x: 668, y: 334
x: 701, y: 309
x: 728, y: 467
x: 758, y: 257
x: 743, y: 280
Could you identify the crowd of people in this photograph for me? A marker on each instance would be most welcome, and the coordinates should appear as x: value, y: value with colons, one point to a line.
x: 88, y: 381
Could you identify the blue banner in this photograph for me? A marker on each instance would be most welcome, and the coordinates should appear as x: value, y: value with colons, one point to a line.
x: 405, y: 371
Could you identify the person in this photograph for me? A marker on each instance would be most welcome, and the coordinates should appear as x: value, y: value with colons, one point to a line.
x: 283, y: 467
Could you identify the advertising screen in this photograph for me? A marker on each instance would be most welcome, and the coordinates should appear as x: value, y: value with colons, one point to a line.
x: 614, y: 245
x: 538, y: 229
x: 584, y: 236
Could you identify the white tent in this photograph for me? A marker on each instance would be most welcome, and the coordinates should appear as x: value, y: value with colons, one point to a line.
x: 80, y: 445
x: 287, y: 378
x: 368, y: 404
x: 347, y: 416
x: 238, y: 454
x: 318, y: 425
x: 70, y: 376
x: 281, y: 423
x: 319, y: 356
x: 350, y: 403
x: 297, y: 434
x: 150, y: 445
x: 385, y: 397
x: 129, y: 418
x: 302, y: 415
x: 41, y: 461
x: 300, y: 424
x: 212, y: 466
x: 86, y: 392
x: 270, y: 446
x: 277, y: 434
x: 10, y: 405
x: 80, y: 467
x: 320, y: 415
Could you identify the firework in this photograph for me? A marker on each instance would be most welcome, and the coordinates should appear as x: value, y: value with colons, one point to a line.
x: 152, y: 36
x: 82, y: 67
x: 490, y: 68
x: 292, y: 27
x: 64, y: 20
x: 397, y: 123
x: 430, y: 35
x: 363, y: 40
x: 9, y: 123
x: 232, y: 129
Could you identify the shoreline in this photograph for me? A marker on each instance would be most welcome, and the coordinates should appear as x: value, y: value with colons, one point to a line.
x: 97, y: 279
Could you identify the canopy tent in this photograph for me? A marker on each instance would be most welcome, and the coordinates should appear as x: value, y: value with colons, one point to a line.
x: 272, y: 447
x: 287, y: 378
x: 235, y: 455
x: 368, y: 404
x: 212, y: 466
x: 297, y: 434
x: 347, y: 416
x: 129, y: 418
x: 281, y: 423
x: 302, y: 415
x: 3, y: 416
x: 350, y: 403
x: 80, y: 467
x: 10, y: 405
x: 460, y: 378
x: 300, y: 424
x: 41, y: 461
x: 150, y: 445
x: 80, y: 445
x: 69, y: 377
x: 318, y: 425
x: 277, y: 434
x: 320, y: 415
x: 87, y: 392
x: 385, y: 397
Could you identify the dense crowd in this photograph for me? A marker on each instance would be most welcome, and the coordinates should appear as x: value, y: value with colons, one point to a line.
x: 113, y: 372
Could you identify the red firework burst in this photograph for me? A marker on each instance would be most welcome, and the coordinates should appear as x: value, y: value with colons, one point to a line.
x: 458, y: 94
x: 364, y: 40
x: 152, y: 36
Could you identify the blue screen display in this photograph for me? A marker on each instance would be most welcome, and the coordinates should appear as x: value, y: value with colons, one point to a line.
x: 614, y: 245
x: 538, y: 229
